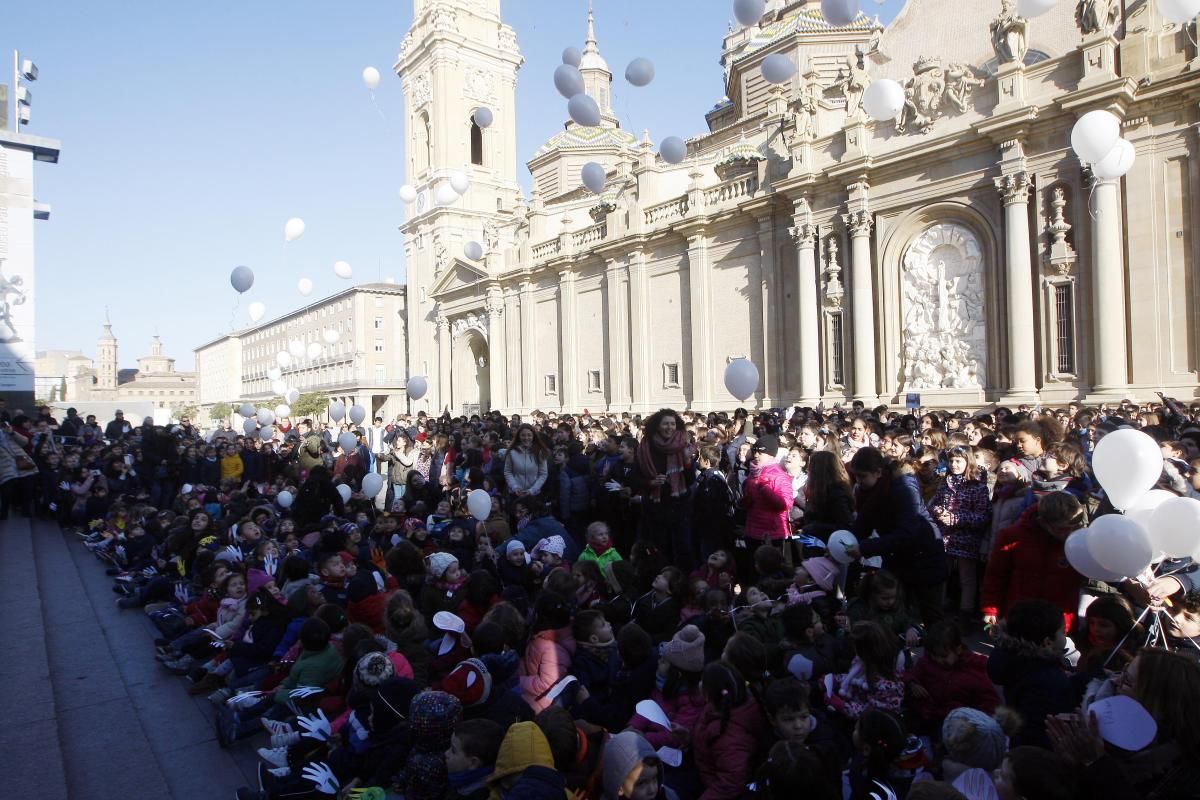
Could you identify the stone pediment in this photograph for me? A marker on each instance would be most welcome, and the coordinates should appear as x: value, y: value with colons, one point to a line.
x: 459, y: 275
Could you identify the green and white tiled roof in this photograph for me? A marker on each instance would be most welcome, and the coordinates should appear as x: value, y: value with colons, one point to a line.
x: 578, y: 137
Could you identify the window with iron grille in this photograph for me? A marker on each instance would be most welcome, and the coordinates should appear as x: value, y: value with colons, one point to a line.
x: 594, y: 380
x: 671, y: 376
x: 551, y: 384
x: 1064, y: 315
x: 836, y: 373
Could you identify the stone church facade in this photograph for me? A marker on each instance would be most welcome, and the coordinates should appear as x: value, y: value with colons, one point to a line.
x: 961, y: 251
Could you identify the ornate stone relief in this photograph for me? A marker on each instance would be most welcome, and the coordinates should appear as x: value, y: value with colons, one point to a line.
x: 1009, y: 32
x: 479, y: 85
x: 833, y: 271
x: 422, y: 90
x: 944, y: 314
x: 471, y: 322
x: 932, y: 88
x: 1062, y: 255
x: 441, y: 256
x: 1097, y: 16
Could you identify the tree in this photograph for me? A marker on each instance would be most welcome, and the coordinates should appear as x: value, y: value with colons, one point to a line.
x: 309, y: 404
x: 220, y: 412
x: 181, y: 410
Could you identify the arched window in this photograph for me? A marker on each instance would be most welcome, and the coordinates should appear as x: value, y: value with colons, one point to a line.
x: 476, y: 144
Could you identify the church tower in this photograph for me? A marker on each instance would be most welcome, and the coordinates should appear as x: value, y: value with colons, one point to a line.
x: 457, y: 57
x: 106, y: 358
x: 597, y: 78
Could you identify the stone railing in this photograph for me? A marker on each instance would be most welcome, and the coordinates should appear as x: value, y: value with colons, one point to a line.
x: 667, y: 212
x: 589, y: 236
x: 736, y: 189
x: 545, y: 250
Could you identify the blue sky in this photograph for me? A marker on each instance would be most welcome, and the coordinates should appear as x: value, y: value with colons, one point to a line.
x: 192, y: 131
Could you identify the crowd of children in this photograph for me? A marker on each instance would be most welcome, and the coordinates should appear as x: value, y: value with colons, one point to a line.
x: 654, y: 609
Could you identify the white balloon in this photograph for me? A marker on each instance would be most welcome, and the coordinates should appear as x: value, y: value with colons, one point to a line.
x: 1095, y: 135
x: 284, y: 499
x: 741, y: 378
x: 278, y: 387
x: 296, y: 348
x: 305, y: 285
x: 1181, y: 12
x: 246, y: 410
x: 473, y: 250
x: 672, y: 149
x: 839, y: 542
x: 344, y: 491
x: 256, y: 311
x: 293, y: 229
x: 749, y: 12
x: 265, y: 416
x: 331, y: 335
x: 372, y: 484
x: 313, y: 351
x: 1127, y: 463
x: 241, y: 279
x: 839, y: 12
x: 883, y: 100
x: 282, y: 410
x: 1034, y: 8
x: 593, y: 176
x: 778, y: 68
x: 291, y: 396
x: 347, y: 441
x: 1142, y: 512
x: 479, y: 503
x: 1081, y: 560
x: 1119, y: 544
x: 337, y: 410
x: 283, y: 359
x: 583, y: 110
x: 572, y: 57
x: 274, y: 373
x: 483, y: 117
x: 416, y: 387
x: 1117, y: 163
x: 459, y: 181
x: 640, y: 72
x: 266, y: 433
x: 408, y: 194
x: 370, y: 77
x: 1175, y: 526
x: 248, y: 426
x: 342, y: 270
x: 445, y: 195
x: 568, y: 80
x: 357, y: 414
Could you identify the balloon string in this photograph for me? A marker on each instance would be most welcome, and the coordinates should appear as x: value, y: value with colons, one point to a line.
x: 377, y: 108
x: 1092, y: 212
x: 233, y: 312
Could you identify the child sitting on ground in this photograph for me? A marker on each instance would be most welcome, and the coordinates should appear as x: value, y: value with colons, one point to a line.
x: 472, y: 758
x: 949, y: 676
x: 786, y: 705
x: 881, y: 600
x: 599, y: 545
x: 872, y: 682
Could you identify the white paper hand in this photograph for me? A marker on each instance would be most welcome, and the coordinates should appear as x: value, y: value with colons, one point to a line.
x: 613, y: 486
x: 322, y: 777
x: 269, y: 564
x: 316, y: 727
x: 305, y: 691
x: 234, y: 552
x: 243, y: 699
x: 181, y: 593
x: 149, y: 572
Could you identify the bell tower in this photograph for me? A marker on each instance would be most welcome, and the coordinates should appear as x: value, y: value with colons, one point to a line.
x: 106, y: 357
x: 458, y: 57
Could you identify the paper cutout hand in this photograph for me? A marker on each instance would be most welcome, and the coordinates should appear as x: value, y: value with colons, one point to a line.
x: 316, y: 726
x: 322, y: 777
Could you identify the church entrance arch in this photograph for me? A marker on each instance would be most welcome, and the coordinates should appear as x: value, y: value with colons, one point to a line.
x: 471, y: 370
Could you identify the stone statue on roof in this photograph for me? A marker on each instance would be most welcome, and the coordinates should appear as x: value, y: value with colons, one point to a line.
x: 1097, y: 16
x: 853, y: 81
x: 1009, y: 34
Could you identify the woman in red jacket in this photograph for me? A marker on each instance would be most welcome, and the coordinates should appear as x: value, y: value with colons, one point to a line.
x: 767, y: 494
x: 1028, y: 562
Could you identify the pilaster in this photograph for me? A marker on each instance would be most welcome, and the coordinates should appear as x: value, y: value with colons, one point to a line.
x: 1021, y: 379
x: 616, y: 334
x: 569, y: 388
x: 862, y: 302
x: 804, y: 234
x: 700, y: 288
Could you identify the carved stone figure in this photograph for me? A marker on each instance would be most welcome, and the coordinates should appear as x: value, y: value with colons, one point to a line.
x: 805, y: 108
x: 961, y: 80
x: 923, y: 96
x: 1009, y: 34
x: 491, y: 236
x: 943, y: 310
x: 853, y: 80
x: 1097, y: 16
x: 441, y: 256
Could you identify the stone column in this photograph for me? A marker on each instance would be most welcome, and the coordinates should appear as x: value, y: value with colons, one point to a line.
x: 528, y: 364
x: 700, y: 289
x: 568, y: 335
x: 809, y: 310
x: 772, y: 323
x: 639, y: 330
x: 445, y: 396
x: 512, y: 345
x: 862, y: 304
x: 1022, y: 374
x: 497, y: 351
x: 1108, y: 290
x: 616, y: 335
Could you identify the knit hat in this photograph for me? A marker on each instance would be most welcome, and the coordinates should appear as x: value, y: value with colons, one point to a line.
x: 470, y: 682
x: 823, y: 570
x: 513, y: 544
x: 373, y: 669
x: 974, y: 739
x: 765, y: 444
x: 622, y: 754
x: 432, y: 718
x: 685, y: 651
x: 439, y: 563
x: 551, y: 544
x: 524, y: 746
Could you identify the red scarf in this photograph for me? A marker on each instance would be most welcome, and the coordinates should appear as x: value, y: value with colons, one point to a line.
x: 675, y: 450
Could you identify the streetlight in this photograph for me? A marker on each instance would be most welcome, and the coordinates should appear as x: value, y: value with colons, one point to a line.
x: 22, y: 97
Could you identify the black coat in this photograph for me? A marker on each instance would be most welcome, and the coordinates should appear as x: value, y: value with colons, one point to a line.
x: 908, y: 538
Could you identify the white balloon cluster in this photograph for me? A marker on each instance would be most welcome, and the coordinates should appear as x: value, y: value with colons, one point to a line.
x: 1096, y: 139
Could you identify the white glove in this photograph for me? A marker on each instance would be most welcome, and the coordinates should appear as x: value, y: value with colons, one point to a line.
x: 613, y: 486
x: 269, y: 565
x: 316, y: 727
x: 243, y: 699
x: 234, y: 552
x: 149, y: 572
x: 64, y: 486
x: 305, y: 691
x: 322, y: 776
x: 121, y: 552
x: 181, y: 593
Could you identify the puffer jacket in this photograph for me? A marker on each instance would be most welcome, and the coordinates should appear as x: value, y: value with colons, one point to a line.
x: 726, y: 760
x: 767, y: 498
x: 524, y: 472
x: 909, y: 541
x: 1034, y: 685
x: 547, y: 661
x: 574, y: 487
x: 1029, y: 564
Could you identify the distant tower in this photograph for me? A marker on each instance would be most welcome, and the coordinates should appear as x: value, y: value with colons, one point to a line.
x: 597, y: 78
x: 457, y: 57
x: 106, y: 357
x: 156, y: 346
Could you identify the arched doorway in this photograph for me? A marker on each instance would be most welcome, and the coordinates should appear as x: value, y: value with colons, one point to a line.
x: 472, y: 373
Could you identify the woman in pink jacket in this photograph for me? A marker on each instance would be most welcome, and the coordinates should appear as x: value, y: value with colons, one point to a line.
x: 549, y: 651
x: 767, y: 494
